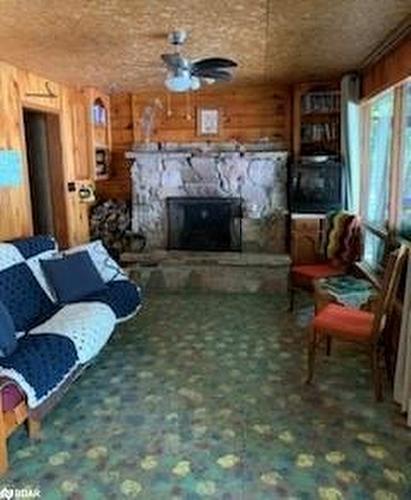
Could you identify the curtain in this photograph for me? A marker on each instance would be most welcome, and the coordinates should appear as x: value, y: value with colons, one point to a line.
x: 350, y: 140
x: 379, y: 168
x: 402, y: 381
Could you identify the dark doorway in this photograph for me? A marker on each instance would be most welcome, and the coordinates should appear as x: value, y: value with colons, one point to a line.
x: 44, y: 160
x: 204, y: 224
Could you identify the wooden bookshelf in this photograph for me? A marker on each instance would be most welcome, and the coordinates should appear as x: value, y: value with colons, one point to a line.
x: 316, y: 119
x: 316, y: 131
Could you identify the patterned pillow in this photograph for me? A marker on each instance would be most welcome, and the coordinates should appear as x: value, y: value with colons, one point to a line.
x: 31, y: 251
x: 23, y: 297
x: 23, y: 289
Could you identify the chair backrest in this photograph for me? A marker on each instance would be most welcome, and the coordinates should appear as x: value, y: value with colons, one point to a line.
x: 392, y: 275
x: 344, y: 238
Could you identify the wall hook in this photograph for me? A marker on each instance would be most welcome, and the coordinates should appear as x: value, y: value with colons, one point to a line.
x: 49, y: 94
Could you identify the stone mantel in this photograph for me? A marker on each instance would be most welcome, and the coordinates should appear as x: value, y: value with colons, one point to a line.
x: 255, y: 173
x: 135, y: 155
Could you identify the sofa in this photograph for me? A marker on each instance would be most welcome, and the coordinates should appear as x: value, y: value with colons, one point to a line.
x: 55, y: 342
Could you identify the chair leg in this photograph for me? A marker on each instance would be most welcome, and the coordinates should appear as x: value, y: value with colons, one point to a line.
x: 376, y: 374
x: 4, y: 463
x: 312, y: 345
x: 34, y: 429
x: 328, y: 341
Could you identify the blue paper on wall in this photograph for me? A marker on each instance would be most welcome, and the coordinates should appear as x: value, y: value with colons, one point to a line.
x: 11, y: 168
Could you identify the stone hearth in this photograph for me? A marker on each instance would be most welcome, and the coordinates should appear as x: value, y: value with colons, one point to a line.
x: 257, y: 174
x: 209, y: 271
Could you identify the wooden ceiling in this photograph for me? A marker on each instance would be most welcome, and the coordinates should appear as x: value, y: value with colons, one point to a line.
x: 116, y: 44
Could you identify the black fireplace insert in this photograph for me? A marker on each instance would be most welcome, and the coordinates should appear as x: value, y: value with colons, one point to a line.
x: 204, y: 223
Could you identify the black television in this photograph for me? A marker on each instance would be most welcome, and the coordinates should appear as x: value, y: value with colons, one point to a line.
x: 316, y: 185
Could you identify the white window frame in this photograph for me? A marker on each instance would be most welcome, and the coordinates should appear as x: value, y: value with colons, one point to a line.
x: 396, y: 163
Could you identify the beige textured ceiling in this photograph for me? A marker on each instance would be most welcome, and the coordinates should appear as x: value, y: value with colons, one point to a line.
x: 117, y: 43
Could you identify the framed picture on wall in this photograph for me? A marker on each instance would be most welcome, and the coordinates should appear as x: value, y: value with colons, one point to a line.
x: 208, y: 121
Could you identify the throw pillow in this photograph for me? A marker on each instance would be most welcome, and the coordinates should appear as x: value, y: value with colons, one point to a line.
x: 72, y: 277
x: 107, y: 267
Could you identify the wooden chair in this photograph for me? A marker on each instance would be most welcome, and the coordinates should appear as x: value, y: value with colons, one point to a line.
x: 342, y: 244
x: 361, y: 327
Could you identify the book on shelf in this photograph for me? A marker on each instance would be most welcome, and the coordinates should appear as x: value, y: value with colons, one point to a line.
x: 320, y: 102
x: 318, y: 132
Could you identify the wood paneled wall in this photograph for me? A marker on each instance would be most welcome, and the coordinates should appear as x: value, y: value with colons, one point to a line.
x: 249, y: 114
x: 390, y: 69
x: 72, y: 108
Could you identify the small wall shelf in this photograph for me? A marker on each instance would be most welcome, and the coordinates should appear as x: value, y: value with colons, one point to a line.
x: 100, y: 134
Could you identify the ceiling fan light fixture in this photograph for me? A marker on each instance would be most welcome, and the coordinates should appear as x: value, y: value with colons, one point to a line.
x: 195, y: 83
x: 180, y: 82
x: 185, y: 74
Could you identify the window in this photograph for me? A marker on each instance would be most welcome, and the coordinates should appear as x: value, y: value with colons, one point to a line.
x: 386, y: 170
x: 374, y: 248
x: 405, y: 178
x: 379, y: 153
x: 378, y: 143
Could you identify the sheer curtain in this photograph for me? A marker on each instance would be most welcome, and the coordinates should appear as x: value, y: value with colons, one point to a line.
x: 402, y: 382
x: 350, y: 139
x: 379, y: 152
x: 379, y: 166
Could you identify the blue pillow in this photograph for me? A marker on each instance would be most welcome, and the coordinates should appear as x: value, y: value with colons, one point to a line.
x: 8, y: 341
x: 72, y: 277
x: 24, y: 298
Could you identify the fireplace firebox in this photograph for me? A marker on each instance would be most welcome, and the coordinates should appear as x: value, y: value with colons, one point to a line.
x: 204, y: 223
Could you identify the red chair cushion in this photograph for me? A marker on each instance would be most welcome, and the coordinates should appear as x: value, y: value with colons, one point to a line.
x: 305, y: 274
x: 344, y: 322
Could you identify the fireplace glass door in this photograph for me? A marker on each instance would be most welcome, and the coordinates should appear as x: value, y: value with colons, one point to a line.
x: 208, y: 224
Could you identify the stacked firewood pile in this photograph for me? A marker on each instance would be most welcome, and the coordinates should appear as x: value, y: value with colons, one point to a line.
x: 110, y: 221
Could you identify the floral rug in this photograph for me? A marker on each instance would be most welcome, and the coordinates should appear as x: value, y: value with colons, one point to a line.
x: 203, y: 396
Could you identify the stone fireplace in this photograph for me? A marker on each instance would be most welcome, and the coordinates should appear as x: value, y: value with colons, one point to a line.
x: 201, y: 223
x: 247, y: 186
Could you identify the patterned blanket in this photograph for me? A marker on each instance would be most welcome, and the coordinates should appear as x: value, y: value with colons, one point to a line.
x: 348, y: 290
x: 40, y: 365
x: 344, y: 237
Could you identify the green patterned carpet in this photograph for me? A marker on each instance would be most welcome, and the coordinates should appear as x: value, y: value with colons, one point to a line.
x: 202, y: 396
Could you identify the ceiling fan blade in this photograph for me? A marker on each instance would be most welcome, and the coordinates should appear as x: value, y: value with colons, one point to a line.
x: 213, y: 62
x: 173, y: 61
x: 215, y: 74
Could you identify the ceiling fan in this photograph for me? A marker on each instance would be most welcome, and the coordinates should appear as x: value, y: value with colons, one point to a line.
x: 184, y: 74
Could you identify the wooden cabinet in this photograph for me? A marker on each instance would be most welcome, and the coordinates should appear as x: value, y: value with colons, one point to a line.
x: 316, y: 119
x: 306, y: 238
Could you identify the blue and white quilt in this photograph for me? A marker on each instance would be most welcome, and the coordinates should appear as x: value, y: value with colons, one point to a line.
x: 54, y: 340
x: 40, y: 365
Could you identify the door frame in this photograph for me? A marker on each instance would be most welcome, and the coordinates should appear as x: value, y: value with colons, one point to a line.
x: 57, y: 172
